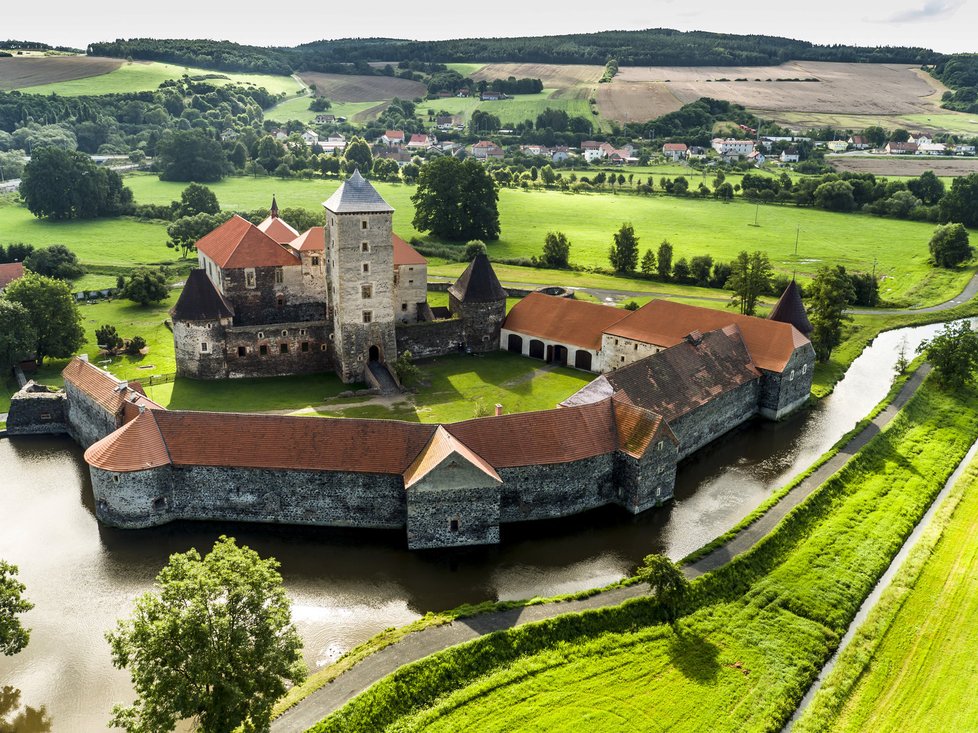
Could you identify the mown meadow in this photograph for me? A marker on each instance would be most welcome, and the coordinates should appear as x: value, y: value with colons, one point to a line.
x: 754, y: 634
x: 911, y: 665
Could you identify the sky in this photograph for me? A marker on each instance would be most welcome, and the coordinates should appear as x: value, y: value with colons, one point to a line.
x: 943, y: 25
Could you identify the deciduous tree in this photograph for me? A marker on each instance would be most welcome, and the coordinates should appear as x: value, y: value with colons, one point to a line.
x: 667, y: 582
x: 624, y: 250
x: 13, y: 636
x: 17, y: 335
x: 456, y: 200
x: 52, y: 313
x: 190, y: 155
x: 54, y: 261
x: 953, y: 353
x: 196, y: 199
x: 185, y: 232
x: 960, y: 204
x: 950, y: 245
x: 357, y: 155
x: 556, y: 250
x: 64, y: 184
x: 829, y: 294
x: 750, y: 278
x: 663, y: 260
x: 215, y: 642
x: 146, y: 286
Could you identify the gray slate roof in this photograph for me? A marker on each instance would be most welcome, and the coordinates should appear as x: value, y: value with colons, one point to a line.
x: 356, y: 196
x: 478, y: 283
x: 200, y: 301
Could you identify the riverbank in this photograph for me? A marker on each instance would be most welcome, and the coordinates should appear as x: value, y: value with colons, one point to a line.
x: 755, y: 616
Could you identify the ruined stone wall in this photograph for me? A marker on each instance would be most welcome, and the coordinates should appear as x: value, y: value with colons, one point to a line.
x: 711, y: 420
x: 783, y: 393
x: 88, y: 422
x: 279, y: 349
x: 617, y: 352
x: 556, y: 490
x: 35, y: 411
x: 432, y: 338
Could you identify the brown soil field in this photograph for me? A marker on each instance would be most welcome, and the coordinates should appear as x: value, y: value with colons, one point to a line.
x: 16, y: 72
x: 904, y: 165
x: 870, y: 89
x: 553, y: 76
x: 348, y: 88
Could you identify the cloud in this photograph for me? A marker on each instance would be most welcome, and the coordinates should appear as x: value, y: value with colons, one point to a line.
x: 930, y: 10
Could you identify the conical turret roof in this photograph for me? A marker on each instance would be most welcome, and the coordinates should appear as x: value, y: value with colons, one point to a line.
x: 200, y: 301
x: 478, y: 284
x: 790, y: 309
x: 357, y: 196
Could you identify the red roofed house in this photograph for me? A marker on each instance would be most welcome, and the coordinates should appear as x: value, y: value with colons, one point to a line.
x: 9, y: 272
x: 392, y: 137
x: 675, y: 151
x: 421, y: 142
x: 486, y: 150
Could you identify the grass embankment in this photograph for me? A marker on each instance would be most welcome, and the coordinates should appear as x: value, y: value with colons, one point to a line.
x: 142, y: 76
x: 755, y: 633
x: 911, y: 665
x: 693, y: 226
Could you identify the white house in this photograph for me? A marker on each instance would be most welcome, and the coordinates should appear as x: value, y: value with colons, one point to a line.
x: 675, y: 151
x: 837, y: 146
x: 392, y: 137
x: 334, y: 143
x: 931, y: 149
x: 964, y: 150
x: 310, y: 138
x: 790, y: 155
x: 729, y: 146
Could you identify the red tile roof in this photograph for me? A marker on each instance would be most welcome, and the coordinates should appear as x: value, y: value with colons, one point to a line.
x: 638, y: 428
x: 666, y: 323
x: 550, y: 436
x: 278, y: 229
x: 311, y: 240
x: 405, y: 254
x: 238, y: 243
x: 9, y: 272
x: 564, y: 320
x: 102, y: 387
x: 442, y: 446
x: 677, y: 147
x: 136, y: 446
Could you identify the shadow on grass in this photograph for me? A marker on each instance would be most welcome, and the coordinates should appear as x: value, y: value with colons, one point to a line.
x: 694, y: 656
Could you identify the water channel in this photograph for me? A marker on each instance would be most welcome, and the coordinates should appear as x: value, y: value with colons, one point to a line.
x: 347, y: 586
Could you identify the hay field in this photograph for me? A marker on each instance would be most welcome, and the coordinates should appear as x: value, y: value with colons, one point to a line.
x: 351, y: 88
x: 904, y: 165
x: 19, y: 72
x: 853, y: 89
x: 570, y: 80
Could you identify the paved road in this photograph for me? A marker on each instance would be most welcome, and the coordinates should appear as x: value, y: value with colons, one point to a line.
x: 423, y: 643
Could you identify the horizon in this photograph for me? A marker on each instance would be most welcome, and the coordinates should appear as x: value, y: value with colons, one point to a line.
x: 940, y: 25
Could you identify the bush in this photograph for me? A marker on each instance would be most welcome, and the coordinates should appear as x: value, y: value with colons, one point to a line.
x: 108, y: 338
x: 950, y: 246
x: 54, y: 261
x: 146, y: 286
x: 135, y: 345
x: 474, y: 248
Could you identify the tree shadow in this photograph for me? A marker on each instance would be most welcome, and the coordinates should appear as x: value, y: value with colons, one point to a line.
x: 694, y: 656
x: 17, y: 719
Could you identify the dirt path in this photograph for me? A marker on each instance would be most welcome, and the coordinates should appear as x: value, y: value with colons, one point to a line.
x: 423, y: 643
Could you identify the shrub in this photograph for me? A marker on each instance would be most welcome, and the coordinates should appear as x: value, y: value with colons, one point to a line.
x: 135, y: 345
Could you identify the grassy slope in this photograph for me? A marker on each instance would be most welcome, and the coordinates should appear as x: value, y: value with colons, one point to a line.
x: 742, y: 659
x: 138, y: 77
x: 912, y: 664
x: 693, y: 226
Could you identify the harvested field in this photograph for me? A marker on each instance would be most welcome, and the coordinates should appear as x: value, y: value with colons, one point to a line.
x: 553, y: 76
x: 349, y: 88
x: 636, y: 101
x: 20, y: 72
x: 903, y: 165
x: 870, y: 89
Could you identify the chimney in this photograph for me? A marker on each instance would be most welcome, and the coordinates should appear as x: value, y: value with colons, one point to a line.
x: 499, y: 409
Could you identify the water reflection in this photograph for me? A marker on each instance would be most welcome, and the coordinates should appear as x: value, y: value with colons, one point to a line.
x: 17, y: 719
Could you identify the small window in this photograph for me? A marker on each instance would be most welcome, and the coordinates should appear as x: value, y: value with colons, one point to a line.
x: 159, y: 503
x: 367, y: 316
x: 302, y: 332
x: 366, y: 268
x: 305, y: 346
x: 279, y: 277
x: 364, y: 246
x: 242, y: 351
x: 315, y: 262
x: 658, y: 446
x: 249, y: 278
x: 616, y: 342
x: 403, y: 306
x: 363, y: 223
x: 411, y: 269
x: 636, y: 347
x: 263, y: 350
x: 285, y: 333
x: 280, y: 301
x: 261, y: 334
x: 366, y: 291
x: 203, y: 347
x: 804, y: 368
x: 453, y: 525
x: 322, y: 347
x: 283, y: 348
x: 410, y: 282
x: 791, y: 376
x: 623, y: 359
x: 116, y: 478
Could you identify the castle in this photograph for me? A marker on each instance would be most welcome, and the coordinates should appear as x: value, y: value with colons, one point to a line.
x: 346, y: 297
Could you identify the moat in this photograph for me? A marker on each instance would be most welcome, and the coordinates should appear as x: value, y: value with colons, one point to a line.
x: 349, y: 585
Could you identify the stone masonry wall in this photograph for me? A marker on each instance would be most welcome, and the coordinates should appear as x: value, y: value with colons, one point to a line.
x: 556, y: 490
x: 271, y: 300
x: 192, y: 360
x: 482, y: 322
x: 452, y: 517
x: 649, y: 481
x: 34, y: 410
x: 432, y: 338
x: 708, y: 422
x: 289, y: 348
x: 784, y: 392
x: 88, y: 422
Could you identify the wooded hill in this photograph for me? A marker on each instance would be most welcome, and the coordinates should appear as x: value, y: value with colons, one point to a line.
x: 653, y: 47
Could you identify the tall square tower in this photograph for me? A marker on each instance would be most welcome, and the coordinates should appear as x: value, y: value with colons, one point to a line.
x: 360, y: 277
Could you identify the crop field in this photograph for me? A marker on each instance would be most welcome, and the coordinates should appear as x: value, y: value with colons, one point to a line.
x: 904, y: 165
x: 912, y: 664
x: 139, y: 76
x: 517, y: 109
x: 693, y: 226
x: 750, y: 643
x: 351, y: 88
x: 28, y: 71
x: 564, y: 77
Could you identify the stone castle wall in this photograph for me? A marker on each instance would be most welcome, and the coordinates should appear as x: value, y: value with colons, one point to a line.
x: 784, y: 393
x: 88, y: 422
x: 708, y: 422
x: 431, y: 338
x: 482, y: 322
x: 289, y: 348
x: 34, y: 410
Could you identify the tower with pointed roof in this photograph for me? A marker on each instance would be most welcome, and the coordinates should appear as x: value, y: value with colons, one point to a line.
x: 479, y: 301
x: 790, y: 309
x: 359, y: 275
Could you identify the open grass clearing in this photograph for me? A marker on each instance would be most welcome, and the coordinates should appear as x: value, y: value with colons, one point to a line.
x: 693, y: 226
x: 297, y: 108
x: 466, y: 70
x: 511, y: 111
x: 19, y: 72
x: 141, y: 76
x: 911, y: 665
x: 740, y: 660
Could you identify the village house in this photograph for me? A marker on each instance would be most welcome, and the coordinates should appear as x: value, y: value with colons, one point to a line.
x: 560, y: 154
x: 421, y: 142
x: 729, y: 147
x: 324, y: 119
x: 335, y: 143
x: 964, y: 149
x: 895, y: 148
x: 487, y: 150
x: 921, y: 138
x: 229, y: 135
x: 790, y: 155
x: 446, y: 123
x: 9, y: 272
x: 675, y: 151
x: 490, y: 96
x: 931, y: 149
x: 310, y: 137
x: 392, y: 138
x: 837, y: 146
x: 859, y: 142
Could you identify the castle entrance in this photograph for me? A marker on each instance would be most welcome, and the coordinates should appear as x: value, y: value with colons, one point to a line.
x: 374, y: 353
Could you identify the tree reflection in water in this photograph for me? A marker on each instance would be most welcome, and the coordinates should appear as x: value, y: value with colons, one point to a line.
x: 17, y: 719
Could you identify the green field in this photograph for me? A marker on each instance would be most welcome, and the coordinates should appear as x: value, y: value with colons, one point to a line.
x: 509, y: 111
x: 755, y: 633
x: 694, y: 227
x: 465, y: 69
x: 912, y: 663
x: 297, y: 108
x: 141, y: 76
